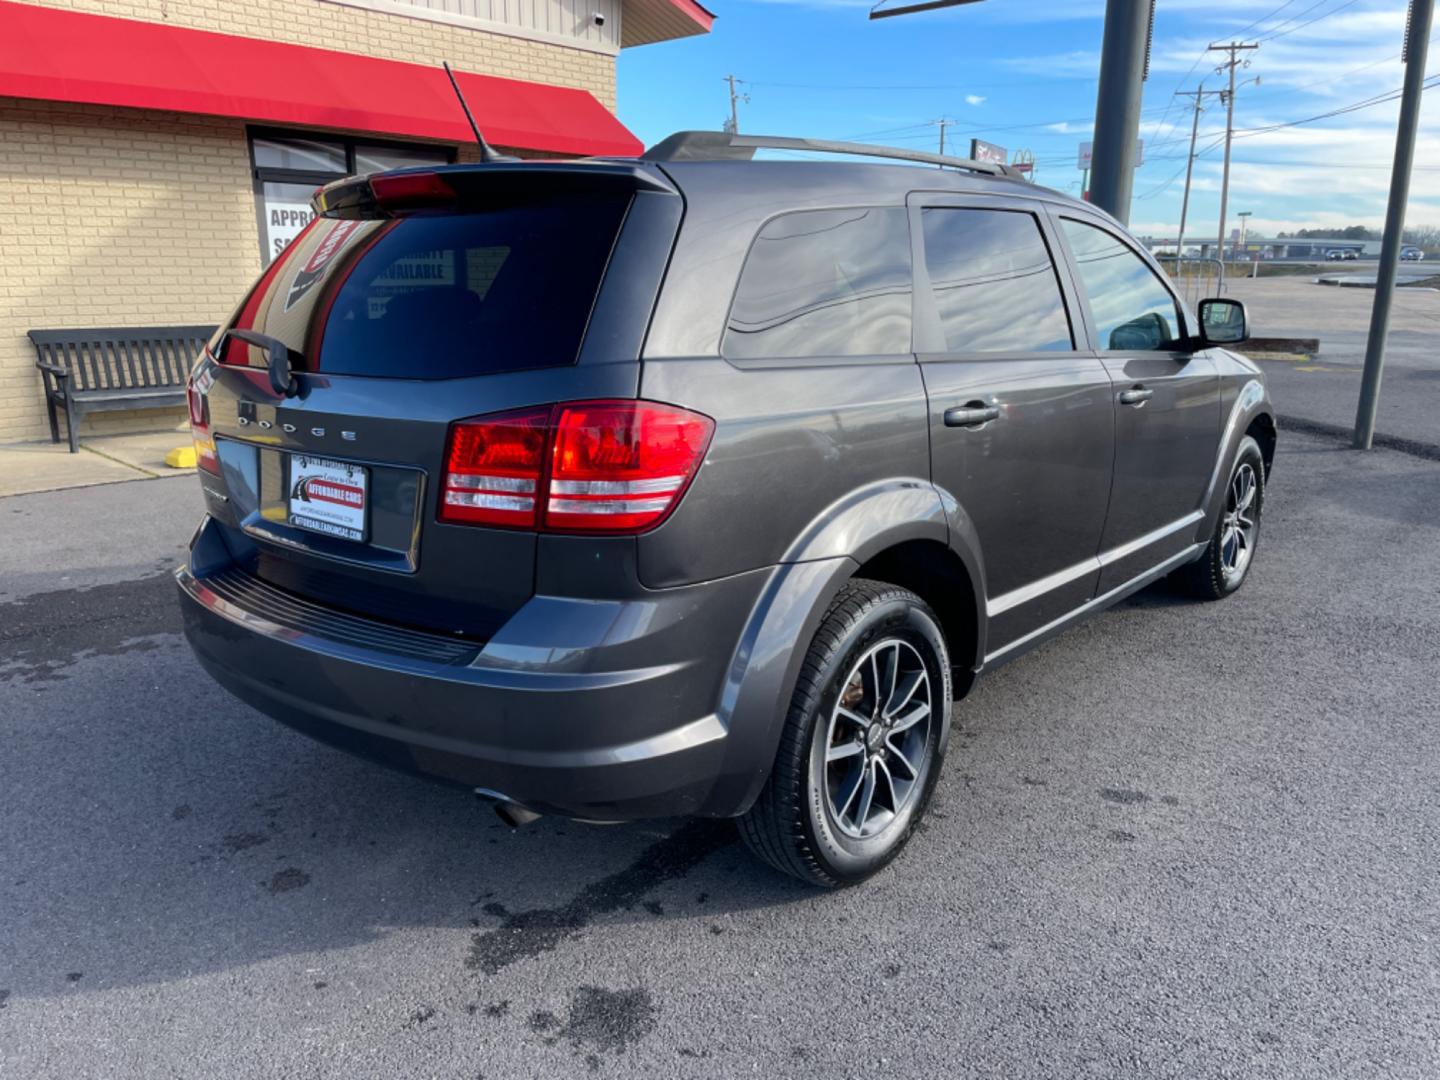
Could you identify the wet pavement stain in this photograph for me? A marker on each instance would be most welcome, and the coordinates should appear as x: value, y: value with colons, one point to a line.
x: 180, y: 813
x: 1124, y: 796
x: 286, y: 880
x: 74, y: 976
x: 233, y: 842
x: 609, y: 1021
x: 523, y: 935
x: 43, y: 634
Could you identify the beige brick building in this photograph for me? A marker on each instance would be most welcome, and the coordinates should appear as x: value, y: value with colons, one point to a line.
x: 155, y: 153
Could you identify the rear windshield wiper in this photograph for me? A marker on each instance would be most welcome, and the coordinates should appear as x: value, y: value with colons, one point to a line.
x: 278, y: 355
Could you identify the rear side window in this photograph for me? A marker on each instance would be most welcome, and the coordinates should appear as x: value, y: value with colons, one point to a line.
x: 824, y: 283
x: 450, y: 295
x: 1133, y: 311
x: 994, y: 282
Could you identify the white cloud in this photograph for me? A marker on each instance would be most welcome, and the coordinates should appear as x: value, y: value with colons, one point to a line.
x: 974, y: 99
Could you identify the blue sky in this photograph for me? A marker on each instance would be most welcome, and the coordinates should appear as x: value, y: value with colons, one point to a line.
x: 1022, y: 73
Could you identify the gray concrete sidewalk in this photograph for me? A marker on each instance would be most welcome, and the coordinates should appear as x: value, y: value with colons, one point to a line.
x: 107, y: 459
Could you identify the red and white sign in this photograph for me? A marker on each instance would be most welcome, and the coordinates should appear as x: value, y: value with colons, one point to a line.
x: 327, y: 496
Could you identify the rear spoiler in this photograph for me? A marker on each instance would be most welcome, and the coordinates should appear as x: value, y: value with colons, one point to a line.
x: 458, y: 186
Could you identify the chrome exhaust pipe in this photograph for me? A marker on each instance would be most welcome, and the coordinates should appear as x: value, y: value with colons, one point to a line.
x: 508, y: 811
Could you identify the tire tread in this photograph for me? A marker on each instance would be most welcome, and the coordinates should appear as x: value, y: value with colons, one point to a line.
x: 774, y: 827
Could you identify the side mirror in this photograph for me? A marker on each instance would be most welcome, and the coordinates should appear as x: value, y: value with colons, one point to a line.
x: 1222, y: 322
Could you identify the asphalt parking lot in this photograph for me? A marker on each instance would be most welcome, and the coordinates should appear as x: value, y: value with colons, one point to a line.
x: 1182, y: 841
x: 1324, y: 389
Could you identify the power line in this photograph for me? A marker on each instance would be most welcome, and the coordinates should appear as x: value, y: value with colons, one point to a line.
x: 1431, y: 81
x: 1301, y: 26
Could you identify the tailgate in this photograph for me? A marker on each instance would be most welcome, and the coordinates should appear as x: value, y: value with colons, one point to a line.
x: 396, y: 326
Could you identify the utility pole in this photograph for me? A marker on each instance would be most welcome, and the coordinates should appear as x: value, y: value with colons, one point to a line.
x: 1235, y: 48
x: 1417, y: 40
x: 943, y: 124
x: 733, y: 125
x: 1124, y: 66
x: 1199, y: 96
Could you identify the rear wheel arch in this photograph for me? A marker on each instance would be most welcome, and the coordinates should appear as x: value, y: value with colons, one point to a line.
x: 1262, y: 430
x: 940, y: 577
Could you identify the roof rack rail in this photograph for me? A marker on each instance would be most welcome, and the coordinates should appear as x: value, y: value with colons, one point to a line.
x: 722, y: 146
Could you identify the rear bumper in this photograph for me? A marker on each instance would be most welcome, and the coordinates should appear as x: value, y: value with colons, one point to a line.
x: 604, y: 710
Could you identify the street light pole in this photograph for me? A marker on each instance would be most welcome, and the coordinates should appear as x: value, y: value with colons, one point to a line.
x: 1417, y: 40
x: 1124, y: 64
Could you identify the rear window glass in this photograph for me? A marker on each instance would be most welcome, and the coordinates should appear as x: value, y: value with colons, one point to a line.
x: 825, y: 283
x: 450, y: 295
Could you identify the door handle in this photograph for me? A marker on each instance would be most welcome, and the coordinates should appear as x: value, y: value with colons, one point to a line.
x: 971, y: 414
x: 1136, y: 395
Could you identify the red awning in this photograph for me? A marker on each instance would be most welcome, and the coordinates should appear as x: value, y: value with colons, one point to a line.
x: 55, y: 55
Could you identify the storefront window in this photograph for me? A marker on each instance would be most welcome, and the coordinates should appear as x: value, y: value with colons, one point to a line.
x: 287, y: 168
x: 306, y: 155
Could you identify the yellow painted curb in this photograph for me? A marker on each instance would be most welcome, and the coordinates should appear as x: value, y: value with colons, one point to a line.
x: 182, y: 457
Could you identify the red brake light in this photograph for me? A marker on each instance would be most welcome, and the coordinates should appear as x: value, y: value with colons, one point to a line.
x: 596, y: 466
x: 621, y: 466
x: 493, y: 469
x: 402, y: 191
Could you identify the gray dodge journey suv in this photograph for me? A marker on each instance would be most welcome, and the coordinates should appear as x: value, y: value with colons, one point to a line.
x: 700, y: 485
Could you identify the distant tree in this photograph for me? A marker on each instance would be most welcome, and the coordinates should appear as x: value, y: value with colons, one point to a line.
x: 1422, y: 236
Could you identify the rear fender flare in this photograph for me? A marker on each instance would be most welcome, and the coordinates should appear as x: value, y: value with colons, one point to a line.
x: 1252, y: 401
x: 765, y: 666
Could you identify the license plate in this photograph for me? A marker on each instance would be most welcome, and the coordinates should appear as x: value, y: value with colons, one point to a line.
x: 327, y: 496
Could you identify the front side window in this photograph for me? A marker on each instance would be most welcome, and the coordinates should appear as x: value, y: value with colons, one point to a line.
x: 1133, y: 311
x: 994, y: 282
x: 825, y: 283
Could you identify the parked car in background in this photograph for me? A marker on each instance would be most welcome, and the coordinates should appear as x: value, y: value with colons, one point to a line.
x: 1412, y: 254
x: 699, y: 485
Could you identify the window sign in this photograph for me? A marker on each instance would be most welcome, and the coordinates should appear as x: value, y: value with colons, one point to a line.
x: 286, y: 209
x: 288, y: 168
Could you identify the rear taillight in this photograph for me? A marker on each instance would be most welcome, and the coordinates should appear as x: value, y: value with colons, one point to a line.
x: 205, y: 456
x: 594, y: 466
x: 493, y: 469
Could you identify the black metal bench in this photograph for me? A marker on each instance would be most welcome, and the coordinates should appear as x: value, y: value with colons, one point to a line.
x: 108, y: 368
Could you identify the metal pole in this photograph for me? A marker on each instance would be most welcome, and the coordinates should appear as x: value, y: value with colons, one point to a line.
x: 1417, y: 40
x: 1229, y: 133
x: 1234, y: 49
x: 734, y: 98
x: 1123, y: 58
x: 1189, y: 171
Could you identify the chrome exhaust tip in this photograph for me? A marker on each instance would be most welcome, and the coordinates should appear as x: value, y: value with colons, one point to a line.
x: 508, y: 811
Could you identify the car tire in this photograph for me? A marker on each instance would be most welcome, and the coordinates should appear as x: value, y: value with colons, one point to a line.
x: 1227, y: 559
x: 855, y: 718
